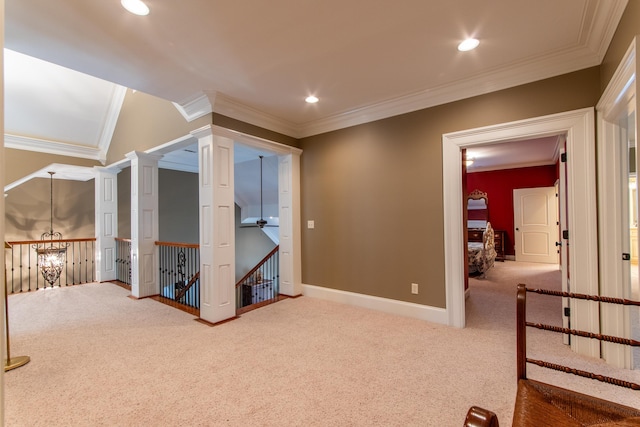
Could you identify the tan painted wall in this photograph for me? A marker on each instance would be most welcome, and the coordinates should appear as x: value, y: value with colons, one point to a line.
x: 145, y: 122
x: 20, y: 163
x: 124, y: 203
x: 27, y: 209
x: 178, y: 206
x: 375, y: 190
x: 252, y: 245
x: 237, y: 125
x: 628, y: 28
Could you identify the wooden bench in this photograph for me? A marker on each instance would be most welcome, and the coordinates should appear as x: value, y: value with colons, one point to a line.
x: 539, y: 404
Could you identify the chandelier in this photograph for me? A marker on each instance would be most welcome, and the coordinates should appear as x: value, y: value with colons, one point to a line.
x: 51, y: 251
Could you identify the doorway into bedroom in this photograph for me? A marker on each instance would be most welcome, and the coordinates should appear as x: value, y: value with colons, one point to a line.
x: 518, y: 180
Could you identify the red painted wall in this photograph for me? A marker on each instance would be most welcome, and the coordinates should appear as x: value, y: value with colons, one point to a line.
x: 499, y: 186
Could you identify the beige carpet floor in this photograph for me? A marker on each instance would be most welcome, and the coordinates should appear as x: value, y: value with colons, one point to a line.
x: 99, y: 358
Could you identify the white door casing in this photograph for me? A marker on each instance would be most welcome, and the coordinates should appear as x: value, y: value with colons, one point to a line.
x: 618, y: 99
x: 564, y: 248
x: 536, y: 231
x: 578, y: 125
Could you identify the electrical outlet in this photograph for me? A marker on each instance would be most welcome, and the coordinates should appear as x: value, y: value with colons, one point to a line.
x: 414, y: 288
x: 311, y: 224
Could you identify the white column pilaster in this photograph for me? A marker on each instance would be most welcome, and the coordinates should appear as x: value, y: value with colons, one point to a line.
x: 217, y: 226
x: 290, y: 227
x: 106, y: 223
x: 144, y: 224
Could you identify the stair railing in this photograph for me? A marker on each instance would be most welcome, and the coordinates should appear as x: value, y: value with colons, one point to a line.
x: 179, y: 275
x: 123, y: 261
x: 22, y: 265
x: 261, y: 285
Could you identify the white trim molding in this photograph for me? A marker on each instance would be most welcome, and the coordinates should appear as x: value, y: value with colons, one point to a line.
x: 197, y: 106
x: 617, y: 102
x: 391, y: 306
x: 580, y: 130
x: 51, y: 147
x: 110, y: 122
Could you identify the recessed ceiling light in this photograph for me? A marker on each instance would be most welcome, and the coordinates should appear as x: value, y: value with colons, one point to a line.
x: 311, y: 99
x: 137, y: 7
x: 468, y: 44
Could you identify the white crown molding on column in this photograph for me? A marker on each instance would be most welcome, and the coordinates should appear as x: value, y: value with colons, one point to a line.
x: 197, y: 106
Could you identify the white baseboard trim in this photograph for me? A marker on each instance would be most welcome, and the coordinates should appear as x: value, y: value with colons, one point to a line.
x: 400, y: 308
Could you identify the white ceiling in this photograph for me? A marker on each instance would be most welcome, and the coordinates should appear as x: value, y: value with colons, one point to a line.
x: 515, y: 154
x: 257, y: 61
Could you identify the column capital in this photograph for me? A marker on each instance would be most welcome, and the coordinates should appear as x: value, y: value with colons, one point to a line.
x: 103, y: 169
x: 202, y: 132
x: 142, y: 155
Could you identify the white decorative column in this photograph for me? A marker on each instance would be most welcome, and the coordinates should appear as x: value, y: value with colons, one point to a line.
x: 144, y: 224
x: 290, y: 227
x: 106, y: 223
x: 217, y: 226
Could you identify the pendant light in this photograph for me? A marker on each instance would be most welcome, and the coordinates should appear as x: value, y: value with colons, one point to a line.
x: 261, y: 222
x: 51, y: 251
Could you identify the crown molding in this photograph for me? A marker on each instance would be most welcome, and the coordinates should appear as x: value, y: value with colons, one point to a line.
x: 232, y: 108
x: 538, y: 68
x: 111, y: 120
x: 599, y: 25
x: 51, y: 147
x: 197, y: 106
x: 601, y: 30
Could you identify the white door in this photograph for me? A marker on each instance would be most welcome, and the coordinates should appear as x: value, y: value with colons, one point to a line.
x: 536, y: 228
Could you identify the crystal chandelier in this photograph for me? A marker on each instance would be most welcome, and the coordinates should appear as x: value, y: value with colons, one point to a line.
x: 51, y: 252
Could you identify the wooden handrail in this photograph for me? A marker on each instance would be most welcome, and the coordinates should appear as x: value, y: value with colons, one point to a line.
x: 33, y: 242
x: 597, y: 298
x: 178, y: 245
x: 258, y: 265
x: 189, y: 285
x: 521, y: 333
x: 122, y: 239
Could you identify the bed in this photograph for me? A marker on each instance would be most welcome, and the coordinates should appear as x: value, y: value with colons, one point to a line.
x: 482, y: 254
x: 480, y: 235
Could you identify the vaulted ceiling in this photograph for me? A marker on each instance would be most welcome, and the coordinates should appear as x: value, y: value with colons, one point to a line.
x: 257, y: 61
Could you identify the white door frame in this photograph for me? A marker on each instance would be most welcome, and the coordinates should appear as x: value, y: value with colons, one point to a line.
x: 614, y: 103
x: 578, y: 126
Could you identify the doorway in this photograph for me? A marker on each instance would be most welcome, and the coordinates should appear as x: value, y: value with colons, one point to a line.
x: 579, y: 127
